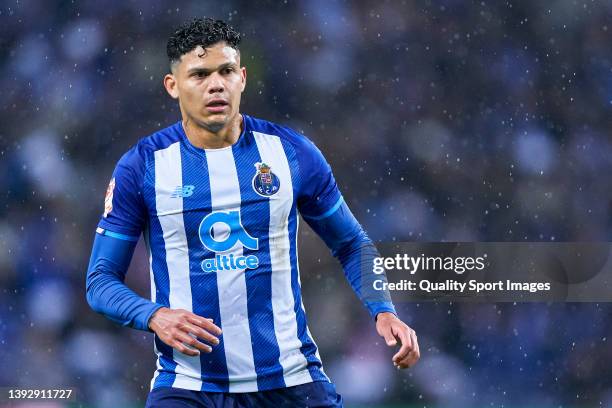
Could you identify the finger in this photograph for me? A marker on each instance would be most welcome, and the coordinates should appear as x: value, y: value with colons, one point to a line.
x: 410, y: 360
x: 415, y: 344
x: 193, y: 342
x: 413, y: 356
x: 406, y: 345
x: 402, y: 333
x: 387, y: 334
x: 199, y: 332
x: 204, y: 323
x: 177, y: 345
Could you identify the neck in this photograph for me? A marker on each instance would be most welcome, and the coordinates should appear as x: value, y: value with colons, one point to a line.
x: 204, y: 138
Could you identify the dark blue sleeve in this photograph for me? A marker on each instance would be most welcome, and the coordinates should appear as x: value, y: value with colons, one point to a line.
x: 318, y: 194
x: 106, y: 291
x: 356, y: 252
x: 322, y: 206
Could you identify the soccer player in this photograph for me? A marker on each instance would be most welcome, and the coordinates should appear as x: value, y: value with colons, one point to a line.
x: 217, y: 197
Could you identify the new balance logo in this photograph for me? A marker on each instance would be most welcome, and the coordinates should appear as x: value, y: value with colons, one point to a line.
x: 182, y: 191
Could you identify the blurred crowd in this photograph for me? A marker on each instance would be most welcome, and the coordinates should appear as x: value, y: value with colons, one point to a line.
x: 444, y: 120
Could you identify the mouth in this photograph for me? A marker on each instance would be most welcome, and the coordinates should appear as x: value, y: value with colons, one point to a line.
x: 217, y: 105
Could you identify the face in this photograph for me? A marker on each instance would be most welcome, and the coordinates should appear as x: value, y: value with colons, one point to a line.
x: 208, y: 84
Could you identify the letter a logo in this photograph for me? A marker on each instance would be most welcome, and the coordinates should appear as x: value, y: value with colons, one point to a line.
x: 229, y: 232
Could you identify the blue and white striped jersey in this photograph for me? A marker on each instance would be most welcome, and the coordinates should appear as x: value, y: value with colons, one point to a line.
x: 221, y: 230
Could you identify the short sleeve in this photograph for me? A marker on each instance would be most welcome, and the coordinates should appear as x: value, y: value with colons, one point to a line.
x: 124, y: 209
x: 319, y: 195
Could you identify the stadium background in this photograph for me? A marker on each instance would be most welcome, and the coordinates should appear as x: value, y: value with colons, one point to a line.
x: 443, y: 121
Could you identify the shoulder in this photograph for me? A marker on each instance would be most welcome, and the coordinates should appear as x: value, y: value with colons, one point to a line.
x: 289, y: 136
x: 141, y: 153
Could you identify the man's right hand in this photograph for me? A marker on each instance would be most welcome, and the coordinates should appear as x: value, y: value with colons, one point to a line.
x: 181, y: 329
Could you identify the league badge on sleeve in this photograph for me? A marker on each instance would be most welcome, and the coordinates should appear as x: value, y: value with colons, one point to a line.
x: 108, y: 199
x: 265, y: 182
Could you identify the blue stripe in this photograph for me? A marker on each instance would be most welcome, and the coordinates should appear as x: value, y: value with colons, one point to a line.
x: 165, y: 378
x: 328, y: 212
x: 308, y: 348
x: 119, y: 236
x: 255, y: 215
x: 161, y: 277
x: 205, y: 301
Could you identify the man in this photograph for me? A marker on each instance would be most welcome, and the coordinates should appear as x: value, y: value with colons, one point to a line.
x: 217, y: 197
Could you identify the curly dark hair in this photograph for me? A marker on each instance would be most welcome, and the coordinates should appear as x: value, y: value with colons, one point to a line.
x: 200, y: 31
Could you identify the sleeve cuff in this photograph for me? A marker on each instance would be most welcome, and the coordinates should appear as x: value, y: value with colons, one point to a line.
x: 145, y: 324
x: 379, y: 307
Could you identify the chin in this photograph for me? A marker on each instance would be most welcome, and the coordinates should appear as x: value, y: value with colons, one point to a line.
x: 214, y: 125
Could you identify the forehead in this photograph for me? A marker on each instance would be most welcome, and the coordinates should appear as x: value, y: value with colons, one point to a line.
x: 212, y: 56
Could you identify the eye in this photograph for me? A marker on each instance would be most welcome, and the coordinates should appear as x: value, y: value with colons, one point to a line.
x: 228, y: 70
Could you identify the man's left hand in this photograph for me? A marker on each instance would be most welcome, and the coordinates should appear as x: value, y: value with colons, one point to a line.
x: 393, y: 329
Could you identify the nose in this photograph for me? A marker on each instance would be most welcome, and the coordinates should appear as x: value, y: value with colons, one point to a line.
x: 215, y: 84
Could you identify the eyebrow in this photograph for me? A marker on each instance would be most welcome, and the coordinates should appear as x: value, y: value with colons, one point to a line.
x: 208, y: 71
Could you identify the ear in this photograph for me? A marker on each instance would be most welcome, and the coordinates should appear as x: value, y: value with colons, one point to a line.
x: 171, y: 86
x: 243, y: 76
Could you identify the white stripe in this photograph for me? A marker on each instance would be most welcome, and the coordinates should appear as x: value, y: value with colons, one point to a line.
x: 168, y: 175
x: 231, y: 284
x: 285, y: 323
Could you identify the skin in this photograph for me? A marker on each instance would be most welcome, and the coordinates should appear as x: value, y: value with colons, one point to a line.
x: 393, y: 330
x: 177, y: 328
x: 199, y: 77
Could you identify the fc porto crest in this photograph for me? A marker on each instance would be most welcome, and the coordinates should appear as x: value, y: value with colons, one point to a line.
x: 265, y: 182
